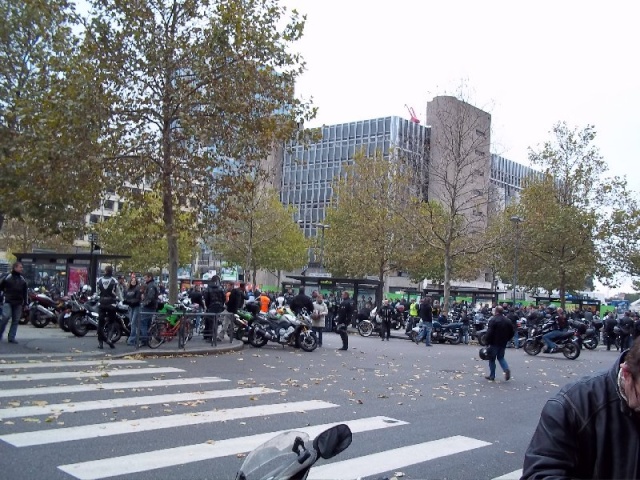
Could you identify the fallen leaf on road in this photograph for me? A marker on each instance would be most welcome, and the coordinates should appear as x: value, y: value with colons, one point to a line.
x: 507, y: 451
x: 241, y: 455
x: 31, y: 420
x: 480, y: 418
x: 211, y: 442
x: 39, y: 403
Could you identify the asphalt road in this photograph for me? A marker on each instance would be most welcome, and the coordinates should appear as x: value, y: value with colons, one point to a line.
x: 423, y: 412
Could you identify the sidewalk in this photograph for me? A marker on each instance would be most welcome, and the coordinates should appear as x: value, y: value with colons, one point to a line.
x: 51, y: 342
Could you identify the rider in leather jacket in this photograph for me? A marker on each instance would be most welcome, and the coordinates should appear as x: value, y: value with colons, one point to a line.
x: 561, y: 325
x: 590, y: 428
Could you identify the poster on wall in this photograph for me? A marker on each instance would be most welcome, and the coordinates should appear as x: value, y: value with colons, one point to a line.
x: 77, y: 279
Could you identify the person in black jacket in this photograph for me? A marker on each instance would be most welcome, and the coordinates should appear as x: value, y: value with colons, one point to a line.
x: 14, y: 287
x: 386, y: 315
x: 300, y: 302
x: 499, y: 332
x: 108, y: 292
x: 132, y: 298
x: 343, y: 317
x: 213, y: 298
x: 590, y: 428
x: 626, y: 330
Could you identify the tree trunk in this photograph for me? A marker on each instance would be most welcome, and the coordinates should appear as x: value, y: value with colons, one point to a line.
x: 1, y: 220
x: 172, y: 237
x: 381, y: 279
x: 563, y: 288
x: 249, y: 261
x: 279, y: 280
x: 447, y: 279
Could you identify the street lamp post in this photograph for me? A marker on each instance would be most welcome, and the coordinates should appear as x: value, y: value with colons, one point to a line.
x: 516, y: 222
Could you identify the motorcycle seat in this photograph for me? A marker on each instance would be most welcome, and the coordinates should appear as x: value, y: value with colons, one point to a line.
x: 565, y: 335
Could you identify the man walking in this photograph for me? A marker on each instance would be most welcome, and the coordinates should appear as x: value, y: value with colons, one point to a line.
x: 14, y: 287
x: 214, y: 298
x: 426, y: 315
x: 499, y: 332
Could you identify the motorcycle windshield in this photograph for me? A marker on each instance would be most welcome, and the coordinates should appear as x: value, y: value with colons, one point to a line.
x: 275, y: 459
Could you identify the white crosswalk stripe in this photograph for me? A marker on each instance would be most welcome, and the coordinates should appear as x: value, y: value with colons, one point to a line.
x: 169, y: 457
x: 79, y: 363
x: 90, y: 387
x: 34, y: 410
x: 263, y: 403
x: 21, y: 377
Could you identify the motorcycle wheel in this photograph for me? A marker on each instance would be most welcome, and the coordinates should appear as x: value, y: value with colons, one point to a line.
x: 38, y: 319
x: 456, y: 340
x: 482, y: 339
x: 365, y: 328
x: 308, y: 341
x: 571, y: 351
x: 257, y: 341
x: 155, y: 334
x: 397, y: 325
x: 63, y: 323
x: 532, y: 348
x: 113, y: 332
x: 76, y: 326
x: 590, y: 343
x: 24, y: 319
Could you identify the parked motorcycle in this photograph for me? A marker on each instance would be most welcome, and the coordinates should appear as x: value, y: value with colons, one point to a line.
x: 284, y: 328
x: 446, y: 332
x: 290, y: 455
x: 44, y: 309
x: 478, y: 329
x: 568, y: 343
x: 84, y: 317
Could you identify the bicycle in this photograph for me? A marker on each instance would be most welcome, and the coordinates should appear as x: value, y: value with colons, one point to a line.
x: 173, y: 324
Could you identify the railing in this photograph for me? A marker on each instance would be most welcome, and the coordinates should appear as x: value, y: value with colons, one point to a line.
x: 181, y: 332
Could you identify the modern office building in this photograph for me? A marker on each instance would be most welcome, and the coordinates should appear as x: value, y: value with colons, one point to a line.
x: 508, y: 178
x: 309, y: 169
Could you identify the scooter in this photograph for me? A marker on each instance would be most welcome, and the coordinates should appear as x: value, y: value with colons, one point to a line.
x: 290, y: 455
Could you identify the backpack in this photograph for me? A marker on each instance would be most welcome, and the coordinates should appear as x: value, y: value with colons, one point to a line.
x: 215, y: 299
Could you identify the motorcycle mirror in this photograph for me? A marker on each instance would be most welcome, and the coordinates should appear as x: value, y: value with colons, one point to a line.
x: 333, y: 441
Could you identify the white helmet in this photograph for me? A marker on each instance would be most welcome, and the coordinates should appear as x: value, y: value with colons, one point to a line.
x: 86, y: 289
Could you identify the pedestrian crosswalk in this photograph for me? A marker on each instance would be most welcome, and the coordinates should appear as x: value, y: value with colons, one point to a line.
x: 174, y: 421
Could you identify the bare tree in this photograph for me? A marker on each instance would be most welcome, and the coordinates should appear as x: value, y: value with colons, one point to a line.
x: 452, y: 218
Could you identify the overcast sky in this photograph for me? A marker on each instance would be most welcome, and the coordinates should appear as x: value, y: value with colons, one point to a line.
x: 530, y: 64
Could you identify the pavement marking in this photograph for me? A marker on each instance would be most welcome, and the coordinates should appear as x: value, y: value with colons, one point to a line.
x: 79, y: 363
x: 44, y: 437
x: 396, y: 458
x: 71, y: 407
x: 21, y: 377
x: 515, y: 475
x: 170, y: 457
x: 94, y: 387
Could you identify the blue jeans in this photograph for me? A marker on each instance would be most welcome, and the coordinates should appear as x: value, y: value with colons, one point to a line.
x: 425, y: 332
x: 499, y: 355
x: 318, y: 331
x: 465, y: 334
x: 145, y: 320
x: 134, y: 316
x: 548, y: 338
x: 13, y: 312
x: 516, y: 340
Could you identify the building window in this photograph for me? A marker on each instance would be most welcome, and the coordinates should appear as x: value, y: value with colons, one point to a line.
x: 94, y: 219
x: 109, y: 204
